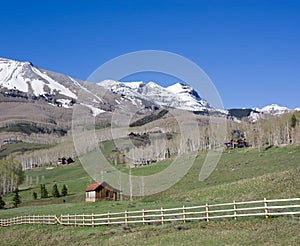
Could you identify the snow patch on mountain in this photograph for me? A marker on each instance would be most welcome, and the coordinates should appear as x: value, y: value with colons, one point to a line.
x: 95, y: 111
x: 254, y: 116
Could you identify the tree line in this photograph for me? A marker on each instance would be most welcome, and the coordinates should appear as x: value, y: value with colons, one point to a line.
x: 267, y: 130
x: 11, y: 175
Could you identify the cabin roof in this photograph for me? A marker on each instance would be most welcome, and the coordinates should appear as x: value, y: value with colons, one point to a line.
x: 96, y: 185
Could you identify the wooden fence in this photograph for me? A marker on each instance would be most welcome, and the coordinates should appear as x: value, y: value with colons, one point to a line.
x: 234, y: 210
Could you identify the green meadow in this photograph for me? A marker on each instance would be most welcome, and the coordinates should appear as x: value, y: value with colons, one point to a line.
x: 241, y: 175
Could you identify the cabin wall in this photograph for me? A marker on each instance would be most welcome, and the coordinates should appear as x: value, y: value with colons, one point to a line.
x: 101, y: 194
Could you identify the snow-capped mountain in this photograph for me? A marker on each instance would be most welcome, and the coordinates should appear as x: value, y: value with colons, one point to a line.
x: 274, y: 109
x: 24, y: 77
x: 256, y: 113
x: 178, y: 96
x: 23, y: 80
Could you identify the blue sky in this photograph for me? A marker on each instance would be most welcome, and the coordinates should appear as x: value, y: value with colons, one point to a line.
x: 250, y: 49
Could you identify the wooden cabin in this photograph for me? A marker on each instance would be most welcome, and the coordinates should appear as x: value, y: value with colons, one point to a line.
x: 239, y: 143
x: 101, y: 191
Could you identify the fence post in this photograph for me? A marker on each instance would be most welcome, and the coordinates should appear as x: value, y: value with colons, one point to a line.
x: 184, y: 213
x: 207, y: 212
x: 143, y: 216
x: 162, y: 215
x: 83, y: 219
x: 93, y: 225
x: 234, y: 209
x: 108, y: 219
x: 266, y: 208
x: 126, y: 218
x: 75, y: 220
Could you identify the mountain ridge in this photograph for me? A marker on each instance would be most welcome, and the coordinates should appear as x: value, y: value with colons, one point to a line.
x: 23, y: 79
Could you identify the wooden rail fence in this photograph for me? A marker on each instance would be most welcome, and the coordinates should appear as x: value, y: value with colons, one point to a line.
x: 235, y: 210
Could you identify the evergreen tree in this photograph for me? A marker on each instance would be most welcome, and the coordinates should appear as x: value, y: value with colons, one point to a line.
x: 34, y: 194
x: 55, y: 192
x: 2, y: 203
x: 64, y: 190
x: 44, y: 192
x: 16, y: 198
x: 293, y: 121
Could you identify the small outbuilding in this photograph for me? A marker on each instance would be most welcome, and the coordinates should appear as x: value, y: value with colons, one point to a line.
x: 101, y: 191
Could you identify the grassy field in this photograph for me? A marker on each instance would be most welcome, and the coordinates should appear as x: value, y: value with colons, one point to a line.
x: 279, y: 231
x: 241, y: 174
x: 20, y: 147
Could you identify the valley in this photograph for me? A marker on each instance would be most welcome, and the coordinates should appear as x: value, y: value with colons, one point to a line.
x: 139, y: 130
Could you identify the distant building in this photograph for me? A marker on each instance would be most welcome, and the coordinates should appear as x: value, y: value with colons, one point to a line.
x: 239, y: 143
x: 101, y: 191
x: 64, y: 161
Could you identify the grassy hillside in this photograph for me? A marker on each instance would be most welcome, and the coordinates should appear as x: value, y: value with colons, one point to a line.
x: 20, y: 147
x: 280, y: 231
x: 241, y: 174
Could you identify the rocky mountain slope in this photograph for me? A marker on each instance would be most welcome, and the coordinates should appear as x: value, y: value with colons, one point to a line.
x: 22, y: 82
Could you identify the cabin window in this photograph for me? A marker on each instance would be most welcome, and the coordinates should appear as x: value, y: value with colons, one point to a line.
x: 91, y: 194
x: 107, y: 194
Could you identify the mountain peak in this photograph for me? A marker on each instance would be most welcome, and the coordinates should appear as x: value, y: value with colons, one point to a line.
x: 179, y: 95
x: 274, y: 109
x: 181, y: 88
x: 24, y: 77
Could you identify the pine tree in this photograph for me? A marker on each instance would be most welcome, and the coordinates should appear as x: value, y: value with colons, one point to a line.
x: 16, y: 198
x: 2, y: 203
x: 293, y: 121
x: 43, y: 190
x: 34, y: 194
x: 55, y: 192
x: 64, y: 190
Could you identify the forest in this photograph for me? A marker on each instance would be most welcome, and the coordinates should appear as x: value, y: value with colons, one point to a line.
x: 11, y: 175
x: 171, y: 139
